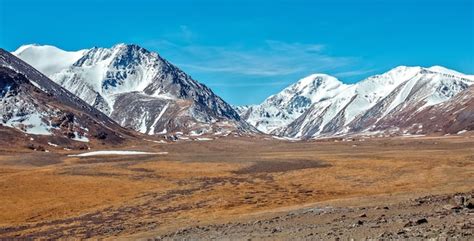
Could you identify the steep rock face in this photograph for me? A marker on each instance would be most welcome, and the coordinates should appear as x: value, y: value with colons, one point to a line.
x: 279, y: 110
x: 378, y: 103
x: 34, y: 104
x: 141, y: 90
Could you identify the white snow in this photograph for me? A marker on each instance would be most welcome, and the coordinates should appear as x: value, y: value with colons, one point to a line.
x: 285, y: 138
x: 47, y: 59
x: 108, y: 153
x: 443, y: 70
x: 31, y: 124
x: 160, y: 141
x: 164, y: 131
x: 412, y: 136
x: 142, y: 128
x: 204, y: 139
x: 37, y: 85
x: 52, y: 144
x: 80, y: 138
x: 152, y: 128
x: 461, y: 132
x: 160, y: 95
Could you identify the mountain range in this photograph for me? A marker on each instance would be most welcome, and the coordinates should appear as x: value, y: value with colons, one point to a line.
x: 136, y: 88
x: 131, y: 87
x: 320, y: 105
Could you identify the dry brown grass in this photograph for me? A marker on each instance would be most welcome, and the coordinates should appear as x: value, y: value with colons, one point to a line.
x: 215, y: 181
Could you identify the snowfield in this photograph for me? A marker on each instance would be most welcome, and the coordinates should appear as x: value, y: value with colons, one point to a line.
x: 109, y: 153
x: 58, y: 59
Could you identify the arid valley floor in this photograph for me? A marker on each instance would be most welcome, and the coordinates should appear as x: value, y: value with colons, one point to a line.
x: 244, y: 188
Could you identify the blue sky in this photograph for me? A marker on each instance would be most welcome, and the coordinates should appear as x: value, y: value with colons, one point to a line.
x: 247, y: 50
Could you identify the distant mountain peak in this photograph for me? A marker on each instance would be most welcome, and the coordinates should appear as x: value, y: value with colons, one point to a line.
x: 282, y: 108
x: 379, y: 103
x: 316, y: 80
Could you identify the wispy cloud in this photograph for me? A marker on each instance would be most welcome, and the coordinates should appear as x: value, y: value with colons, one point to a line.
x: 182, y: 34
x: 249, y: 84
x: 354, y: 73
x: 273, y: 58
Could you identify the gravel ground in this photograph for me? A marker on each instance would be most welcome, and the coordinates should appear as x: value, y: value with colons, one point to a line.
x: 439, y: 217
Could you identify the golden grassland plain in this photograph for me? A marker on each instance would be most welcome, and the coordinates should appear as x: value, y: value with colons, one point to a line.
x: 53, y: 195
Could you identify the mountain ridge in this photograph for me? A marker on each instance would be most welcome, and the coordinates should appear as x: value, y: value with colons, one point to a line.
x: 355, y: 105
x: 163, y: 97
x: 34, y: 104
x: 141, y: 90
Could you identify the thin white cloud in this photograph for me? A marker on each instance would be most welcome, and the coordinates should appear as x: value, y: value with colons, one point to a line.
x: 249, y: 84
x: 354, y: 73
x: 274, y: 58
x: 283, y: 46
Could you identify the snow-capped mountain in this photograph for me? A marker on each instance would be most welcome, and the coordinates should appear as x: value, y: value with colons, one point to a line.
x: 137, y: 88
x: 34, y: 104
x: 378, y: 103
x: 279, y: 110
x: 452, y: 116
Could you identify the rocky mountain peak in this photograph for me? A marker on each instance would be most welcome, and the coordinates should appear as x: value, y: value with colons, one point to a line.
x: 34, y: 104
x: 112, y: 79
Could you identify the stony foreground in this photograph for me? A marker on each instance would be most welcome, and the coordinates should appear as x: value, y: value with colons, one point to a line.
x: 441, y: 216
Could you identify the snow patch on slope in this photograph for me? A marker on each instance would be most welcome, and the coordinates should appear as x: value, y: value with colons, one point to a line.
x: 31, y: 124
x: 152, y: 128
x: 108, y: 153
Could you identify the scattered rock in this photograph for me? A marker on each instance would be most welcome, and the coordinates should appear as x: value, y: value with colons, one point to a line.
x: 401, y: 232
x: 451, y: 207
x: 101, y: 135
x: 466, y: 226
x: 35, y: 147
x: 417, y: 222
x: 459, y: 200
x: 470, y: 205
x: 421, y: 221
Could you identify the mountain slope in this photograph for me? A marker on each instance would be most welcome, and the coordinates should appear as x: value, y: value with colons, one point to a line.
x: 140, y: 90
x: 378, y: 103
x: 447, y: 117
x: 34, y: 104
x: 281, y: 109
